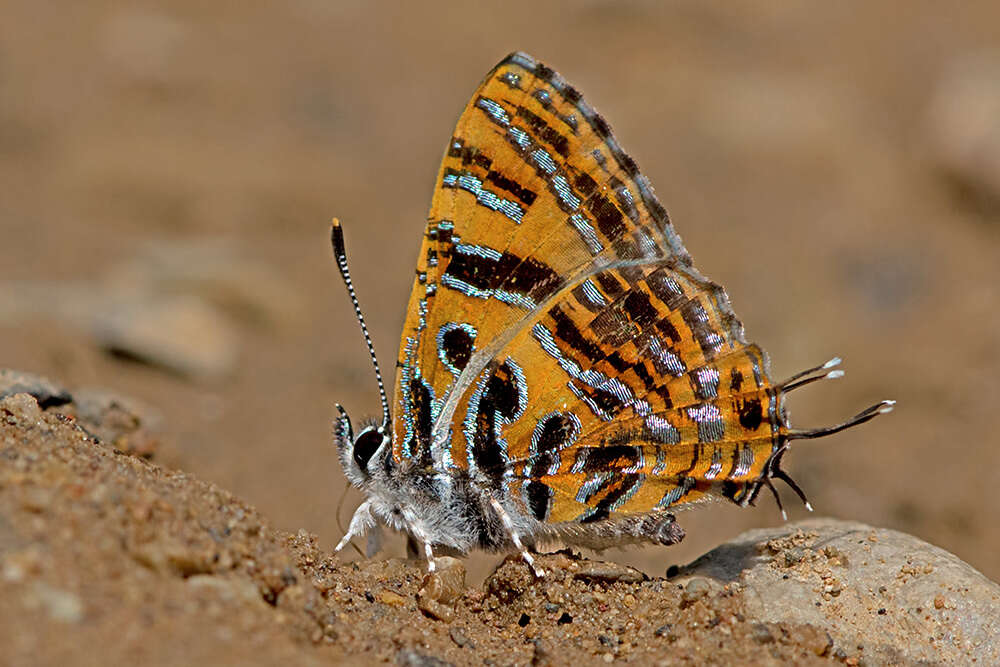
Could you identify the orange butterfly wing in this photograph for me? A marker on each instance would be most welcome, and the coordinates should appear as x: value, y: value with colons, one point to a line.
x: 559, y: 345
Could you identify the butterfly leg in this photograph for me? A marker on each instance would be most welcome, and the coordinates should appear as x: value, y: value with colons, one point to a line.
x: 509, y: 526
x: 361, y: 523
x: 416, y: 533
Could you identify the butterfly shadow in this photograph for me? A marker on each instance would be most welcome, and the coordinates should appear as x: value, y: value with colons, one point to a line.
x: 725, y: 563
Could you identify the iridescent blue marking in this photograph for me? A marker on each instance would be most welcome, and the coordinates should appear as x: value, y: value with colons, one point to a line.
x: 512, y: 80
x: 646, y: 244
x: 592, y: 485
x: 568, y: 441
x: 541, y: 157
x: 638, y: 465
x: 716, y: 467
x: 627, y: 496
x: 486, y: 198
x: 626, y: 195
x: 598, y: 412
x: 661, y: 462
x: 408, y: 373
x: 710, y: 338
x: 661, y: 430
x: 515, y: 299
x: 590, y: 377
x: 479, y: 250
x: 586, y: 232
x: 405, y: 398
x: 553, y: 456
x: 570, y: 201
x: 664, y: 360
x: 619, y: 390
x: 742, y: 468
x: 706, y: 383
x: 711, y: 425
x: 548, y: 343
x: 642, y: 407
x: 520, y: 137
x: 522, y: 389
x: 464, y: 287
x: 612, y: 507
x: 676, y: 493
x: 494, y: 110
x: 665, y: 284
x: 512, y: 298
x: 593, y: 294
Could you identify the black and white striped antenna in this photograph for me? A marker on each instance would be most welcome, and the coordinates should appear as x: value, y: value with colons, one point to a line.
x: 340, y: 254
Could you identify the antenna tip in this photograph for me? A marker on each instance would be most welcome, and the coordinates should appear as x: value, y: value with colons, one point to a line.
x: 337, y: 239
x: 833, y: 362
x: 809, y: 506
x: 833, y: 375
x: 784, y: 515
x: 886, y: 407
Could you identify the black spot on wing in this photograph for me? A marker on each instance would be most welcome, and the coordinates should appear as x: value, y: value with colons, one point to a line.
x: 556, y: 432
x: 542, y: 130
x: 567, y: 331
x: 614, y: 491
x: 501, y: 398
x: 457, y: 345
x: 609, y: 219
x: 751, y: 414
x: 615, y: 457
x: 419, y: 445
x: 528, y: 277
x: 735, y: 380
x: 539, y: 498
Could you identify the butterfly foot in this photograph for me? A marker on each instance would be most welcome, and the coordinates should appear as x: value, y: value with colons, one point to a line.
x: 431, y: 561
x: 361, y: 523
x: 344, y: 541
x: 530, y: 560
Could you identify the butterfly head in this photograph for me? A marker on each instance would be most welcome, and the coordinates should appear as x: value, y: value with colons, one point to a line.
x: 364, y: 452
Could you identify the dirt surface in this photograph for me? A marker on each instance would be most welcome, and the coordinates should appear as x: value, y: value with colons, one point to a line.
x: 150, y: 566
x: 169, y: 171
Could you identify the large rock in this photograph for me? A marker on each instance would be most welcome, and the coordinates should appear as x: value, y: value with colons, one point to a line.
x: 885, y: 594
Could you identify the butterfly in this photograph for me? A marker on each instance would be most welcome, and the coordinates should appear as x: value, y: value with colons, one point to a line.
x: 564, y: 372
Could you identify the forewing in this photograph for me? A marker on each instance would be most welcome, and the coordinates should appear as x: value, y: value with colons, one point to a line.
x: 532, y: 195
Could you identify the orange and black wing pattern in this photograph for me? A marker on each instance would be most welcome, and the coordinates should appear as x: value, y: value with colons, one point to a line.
x: 559, y: 347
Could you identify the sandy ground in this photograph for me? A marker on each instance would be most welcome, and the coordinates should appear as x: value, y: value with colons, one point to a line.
x: 159, y: 153
x: 143, y: 565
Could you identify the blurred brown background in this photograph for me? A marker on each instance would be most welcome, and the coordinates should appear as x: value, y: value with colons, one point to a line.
x: 168, y: 172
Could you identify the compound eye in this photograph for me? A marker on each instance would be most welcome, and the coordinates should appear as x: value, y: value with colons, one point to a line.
x: 365, y: 446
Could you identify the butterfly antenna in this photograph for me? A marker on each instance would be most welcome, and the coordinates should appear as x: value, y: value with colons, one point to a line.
x: 340, y: 254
